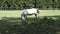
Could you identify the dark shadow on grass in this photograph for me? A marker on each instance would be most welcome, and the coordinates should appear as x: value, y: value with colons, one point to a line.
x: 32, y: 26
x: 18, y: 20
x: 57, y: 21
x: 15, y: 25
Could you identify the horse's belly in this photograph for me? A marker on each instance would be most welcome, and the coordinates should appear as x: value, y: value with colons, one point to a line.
x: 29, y: 14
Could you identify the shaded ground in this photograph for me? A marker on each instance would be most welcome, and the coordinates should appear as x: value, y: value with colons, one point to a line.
x: 15, y: 25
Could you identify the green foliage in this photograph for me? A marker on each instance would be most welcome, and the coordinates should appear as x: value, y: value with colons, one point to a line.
x: 42, y: 4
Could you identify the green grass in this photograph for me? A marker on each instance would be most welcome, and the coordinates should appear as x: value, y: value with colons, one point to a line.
x: 14, y: 16
x: 10, y: 13
x: 50, y: 12
x: 17, y: 13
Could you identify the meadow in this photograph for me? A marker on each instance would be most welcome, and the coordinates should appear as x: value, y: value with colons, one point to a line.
x: 17, y: 13
x: 12, y: 17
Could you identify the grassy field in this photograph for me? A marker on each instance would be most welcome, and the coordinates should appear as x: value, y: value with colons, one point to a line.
x: 17, y: 13
x: 14, y: 16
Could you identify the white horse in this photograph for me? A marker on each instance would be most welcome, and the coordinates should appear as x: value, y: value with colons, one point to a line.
x: 32, y: 11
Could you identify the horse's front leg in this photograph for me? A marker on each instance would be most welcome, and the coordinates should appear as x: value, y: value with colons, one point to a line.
x: 36, y: 16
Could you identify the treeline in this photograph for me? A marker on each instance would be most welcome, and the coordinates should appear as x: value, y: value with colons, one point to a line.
x: 22, y: 4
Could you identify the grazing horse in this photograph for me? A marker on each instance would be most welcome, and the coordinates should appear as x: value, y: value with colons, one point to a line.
x: 31, y: 11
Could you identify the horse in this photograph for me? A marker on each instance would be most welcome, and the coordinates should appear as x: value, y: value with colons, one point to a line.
x: 31, y: 11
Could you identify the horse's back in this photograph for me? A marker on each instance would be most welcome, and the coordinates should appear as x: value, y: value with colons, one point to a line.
x: 31, y: 11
